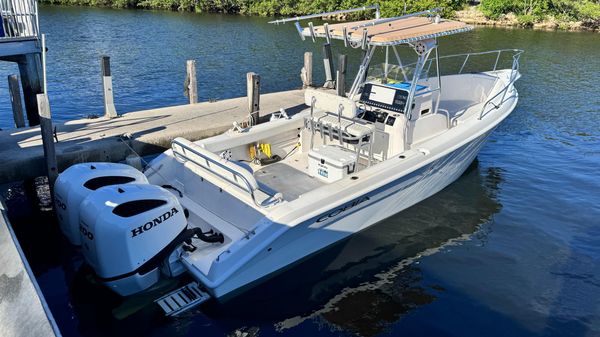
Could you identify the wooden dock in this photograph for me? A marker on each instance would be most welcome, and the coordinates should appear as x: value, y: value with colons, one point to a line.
x: 146, y: 132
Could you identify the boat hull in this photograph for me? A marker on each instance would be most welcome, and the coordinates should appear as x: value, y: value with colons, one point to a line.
x: 310, y: 237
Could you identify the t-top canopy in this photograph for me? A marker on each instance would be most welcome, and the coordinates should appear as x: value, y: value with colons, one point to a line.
x: 393, y: 31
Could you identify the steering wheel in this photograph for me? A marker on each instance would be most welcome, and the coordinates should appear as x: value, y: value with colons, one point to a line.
x: 380, y: 115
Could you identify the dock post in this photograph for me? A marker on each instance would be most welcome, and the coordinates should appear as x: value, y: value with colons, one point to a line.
x: 30, y: 69
x: 15, y: 98
x: 47, y: 137
x: 109, y: 103
x: 306, y: 73
x: 328, y: 63
x: 191, y: 85
x: 253, y: 86
x: 341, y: 75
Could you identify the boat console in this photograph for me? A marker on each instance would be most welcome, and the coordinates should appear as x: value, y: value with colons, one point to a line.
x: 382, y: 100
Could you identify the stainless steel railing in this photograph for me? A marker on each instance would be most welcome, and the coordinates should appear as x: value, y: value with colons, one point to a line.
x: 514, y: 75
x: 464, y: 61
x: 218, y: 168
x: 515, y: 55
x: 19, y: 19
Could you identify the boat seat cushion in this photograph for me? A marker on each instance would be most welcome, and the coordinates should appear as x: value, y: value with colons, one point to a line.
x: 349, y: 126
x: 330, y: 102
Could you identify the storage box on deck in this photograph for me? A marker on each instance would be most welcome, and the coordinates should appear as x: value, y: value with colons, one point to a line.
x: 330, y: 163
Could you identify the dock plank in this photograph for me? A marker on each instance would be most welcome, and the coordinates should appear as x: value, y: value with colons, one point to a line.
x: 149, y: 131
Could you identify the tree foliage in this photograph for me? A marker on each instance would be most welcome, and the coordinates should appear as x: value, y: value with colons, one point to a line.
x: 527, y: 11
x: 530, y: 11
x: 272, y: 7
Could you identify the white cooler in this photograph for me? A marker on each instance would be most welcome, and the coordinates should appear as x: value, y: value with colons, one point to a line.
x: 330, y: 163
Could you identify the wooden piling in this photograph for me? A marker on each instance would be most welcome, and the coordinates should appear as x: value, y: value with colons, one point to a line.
x: 341, y: 75
x: 191, y: 85
x: 109, y: 103
x: 15, y: 99
x: 253, y: 87
x: 30, y: 70
x: 47, y: 137
x: 307, y: 70
x: 328, y: 63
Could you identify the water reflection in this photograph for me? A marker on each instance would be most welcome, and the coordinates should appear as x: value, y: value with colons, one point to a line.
x: 379, y: 261
x: 369, y: 281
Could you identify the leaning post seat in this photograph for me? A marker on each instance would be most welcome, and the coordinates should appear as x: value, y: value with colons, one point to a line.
x: 335, y: 116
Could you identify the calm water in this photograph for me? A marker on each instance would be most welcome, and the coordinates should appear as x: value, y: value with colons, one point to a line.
x: 511, y: 249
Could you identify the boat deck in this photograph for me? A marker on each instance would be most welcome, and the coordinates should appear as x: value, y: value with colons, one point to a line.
x: 290, y: 176
x: 290, y: 181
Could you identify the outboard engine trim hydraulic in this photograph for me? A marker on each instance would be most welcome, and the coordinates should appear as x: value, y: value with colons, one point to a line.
x: 127, y: 231
x: 78, y: 181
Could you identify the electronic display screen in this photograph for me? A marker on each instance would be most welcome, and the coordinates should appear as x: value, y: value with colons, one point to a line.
x: 384, y: 97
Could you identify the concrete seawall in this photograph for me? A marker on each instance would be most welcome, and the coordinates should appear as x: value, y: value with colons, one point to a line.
x: 148, y: 132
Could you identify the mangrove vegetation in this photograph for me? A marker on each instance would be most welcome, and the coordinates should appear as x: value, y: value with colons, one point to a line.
x: 523, y: 12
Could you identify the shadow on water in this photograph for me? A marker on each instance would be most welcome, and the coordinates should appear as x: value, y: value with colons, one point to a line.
x: 358, y: 286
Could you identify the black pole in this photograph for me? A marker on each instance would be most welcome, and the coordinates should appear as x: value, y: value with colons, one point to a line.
x: 30, y: 69
x: 328, y: 63
x: 341, y: 75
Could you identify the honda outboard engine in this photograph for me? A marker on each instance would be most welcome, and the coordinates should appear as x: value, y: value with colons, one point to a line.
x: 127, y: 231
x: 78, y: 181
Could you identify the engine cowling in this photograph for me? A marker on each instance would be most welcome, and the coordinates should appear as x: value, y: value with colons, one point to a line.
x: 78, y: 181
x: 127, y: 231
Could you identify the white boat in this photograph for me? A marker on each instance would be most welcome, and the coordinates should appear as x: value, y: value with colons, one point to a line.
x: 235, y: 209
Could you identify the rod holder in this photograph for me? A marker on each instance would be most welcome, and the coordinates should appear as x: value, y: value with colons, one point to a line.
x: 340, y: 82
x: 328, y: 64
x: 311, y: 29
x: 299, y: 29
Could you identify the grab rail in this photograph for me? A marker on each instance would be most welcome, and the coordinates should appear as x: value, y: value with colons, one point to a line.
x: 469, y: 56
x: 239, y: 177
x: 514, y: 72
x: 517, y: 54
